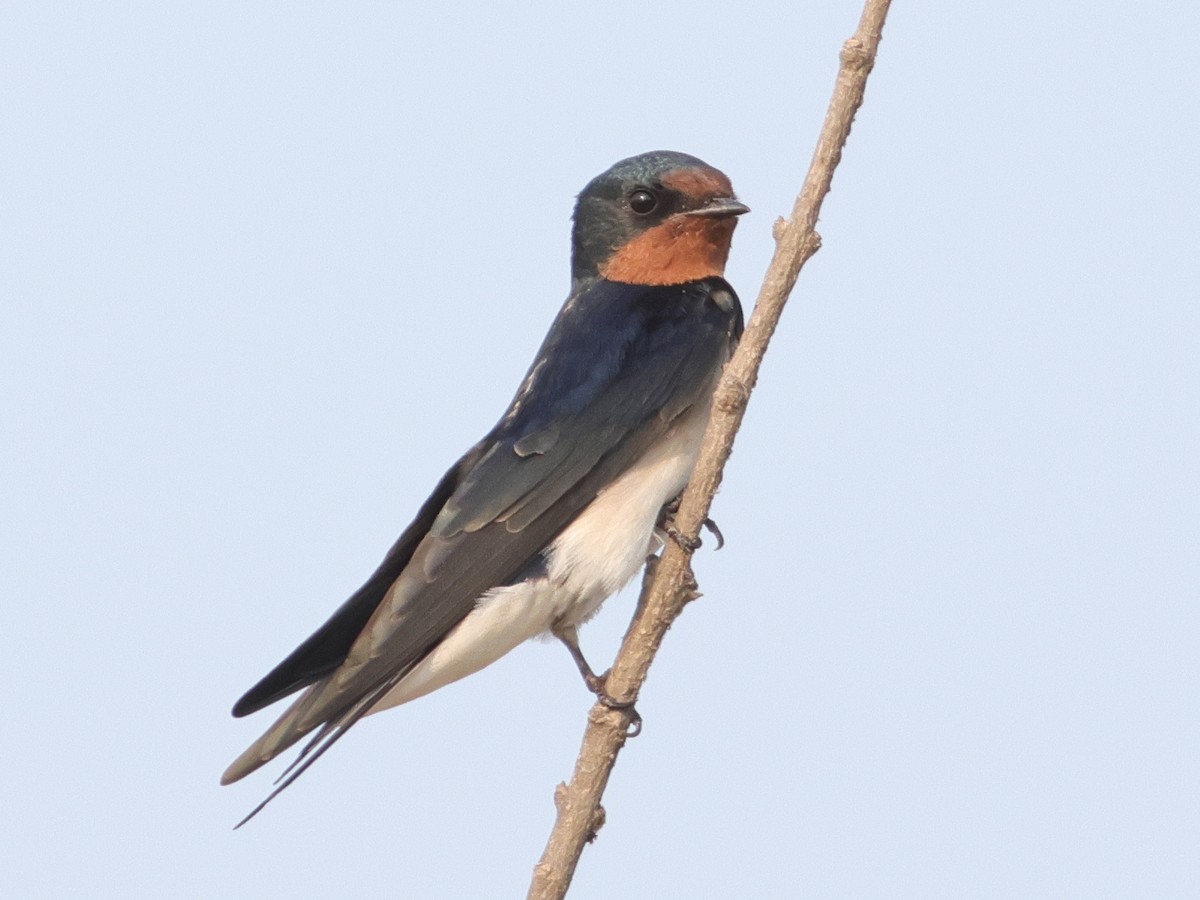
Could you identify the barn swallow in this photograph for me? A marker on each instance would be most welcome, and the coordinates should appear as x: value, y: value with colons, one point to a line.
x: 562, y: 501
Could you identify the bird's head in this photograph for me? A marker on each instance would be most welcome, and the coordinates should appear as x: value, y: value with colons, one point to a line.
x: 657, y: 218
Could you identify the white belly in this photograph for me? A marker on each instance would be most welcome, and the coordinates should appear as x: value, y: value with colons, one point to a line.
x: 592, y: 559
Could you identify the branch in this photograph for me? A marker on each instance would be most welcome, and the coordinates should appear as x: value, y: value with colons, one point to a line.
x: 669, y: 584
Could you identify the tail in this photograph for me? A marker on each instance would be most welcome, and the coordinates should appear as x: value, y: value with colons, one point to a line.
x: 283, y: 734
x: 290, y: 728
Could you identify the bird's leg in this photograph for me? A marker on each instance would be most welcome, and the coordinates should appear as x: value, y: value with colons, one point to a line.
x: 569, y: 635
x: 597, y: 684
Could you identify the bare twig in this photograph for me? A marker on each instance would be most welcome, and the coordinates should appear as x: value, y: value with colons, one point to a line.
x: 670, y: 584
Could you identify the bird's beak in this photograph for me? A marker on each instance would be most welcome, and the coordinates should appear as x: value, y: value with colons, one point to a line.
x: 720, y: 206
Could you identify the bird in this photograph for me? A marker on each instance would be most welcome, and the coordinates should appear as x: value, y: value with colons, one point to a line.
x: 563, y: 501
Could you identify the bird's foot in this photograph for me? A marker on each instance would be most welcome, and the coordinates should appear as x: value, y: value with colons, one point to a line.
x: 690, y: 544
x: 598, y: 685
x: 693, y: 544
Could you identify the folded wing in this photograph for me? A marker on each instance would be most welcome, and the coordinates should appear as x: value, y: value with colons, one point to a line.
x: 620, y: 364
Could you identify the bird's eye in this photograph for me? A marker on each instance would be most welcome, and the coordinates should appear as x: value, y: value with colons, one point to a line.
x: 642, y: 201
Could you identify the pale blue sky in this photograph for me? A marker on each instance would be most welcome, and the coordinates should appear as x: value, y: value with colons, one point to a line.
x: 267, y: 269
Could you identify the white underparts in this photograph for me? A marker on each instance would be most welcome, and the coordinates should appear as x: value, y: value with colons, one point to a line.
x: 593, y: 558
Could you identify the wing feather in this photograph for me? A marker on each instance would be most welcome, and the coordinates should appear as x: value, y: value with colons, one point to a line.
x: 620, y: 363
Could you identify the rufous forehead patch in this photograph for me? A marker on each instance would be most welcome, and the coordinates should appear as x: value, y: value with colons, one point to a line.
x: 698, y: 182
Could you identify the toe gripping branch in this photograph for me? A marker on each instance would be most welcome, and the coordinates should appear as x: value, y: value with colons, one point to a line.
x: 666, y: 523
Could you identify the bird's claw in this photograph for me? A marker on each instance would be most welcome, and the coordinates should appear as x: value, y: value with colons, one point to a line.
x: 715, y: 532
x: 635, y: 723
